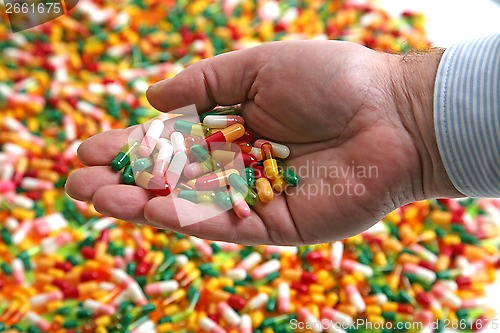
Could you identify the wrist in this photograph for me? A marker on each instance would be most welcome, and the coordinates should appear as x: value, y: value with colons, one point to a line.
x: 414, y: 93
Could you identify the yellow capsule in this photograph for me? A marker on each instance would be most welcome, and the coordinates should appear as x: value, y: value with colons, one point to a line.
x: 171, y: 309
x: 441, y: 217
x: 375, y: 319
x: 53, y: 306
x: 318, y: 298
x: 314, y: 308
x: 373, y: 310
x: 101, y: 329
x: 257, y: 318
x: 103, y: 320
x: 348, y: 309
x: 331, y: 299
x: 264, y: 189
x: 394, y: 217
x: 452, y: 239
x: 316, y: 288
x: 279, y: 184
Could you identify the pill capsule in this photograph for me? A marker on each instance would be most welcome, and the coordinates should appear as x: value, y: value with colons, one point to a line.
x: 283, y: 299
x: 245, y: 147
x: 227, y: 156
x: 266, y: 268
x: 177, y: 141
x: 98, y: 308
x: 250, y: 261
x: 242, y: 187
x: 46, y: 224
x: 279, y: 184
x: 354, y: 266
x: 124, y: 156
x: 141, y: 164
x: 337, y: 316
x: 157, y: 185
x: 336, y: 254
x: 257, y: 152
x: 311, y: 321
x: 195, y: 169
x: 36, y: 320
x: 223, y: 200
x: 165, y: 152
x: 210, y: 326
x: 222, y: 121
x: 153, y: 133
x: 423, y: 273
x: 245, y: 324
x: 36, y: 184
x: 161, y: 287
x: 202, y: 155
x: 279, y: 150
x: 250, y: 176
x: 447, y: 296
x: 290, y: 177
x: 190, y: 128
x: 264, y: 190
x: 270, y: 166
x: 214, y: 180
x: 128, y: 175
x: 355, y: 297
x: 230, y: 316
x: 257, y: 301
x: 176, y: 167
x: 228, y: 134
x: 240, y: 206
x: 197, y: 196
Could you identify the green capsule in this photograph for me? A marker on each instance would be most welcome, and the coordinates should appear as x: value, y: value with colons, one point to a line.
x: 242, y: 187
x: 215, y: 248
x: 128, y: 175
x: 126, y: 319
x: 250, y: 176
x: 124, y: 156
x: 33, y: 329
x: 83, y: 313
x: 290, y: 177
x: 130, y: 268
x: 64, y: 311
x: 271, y: 304
x: 197, y: 196
x: 202, y: 155
x: 141, y: 164
x: 190, y: 128
x: 71, y: 323
x: 7, y: 270
x: 6, y: 237
x: 223, y: 200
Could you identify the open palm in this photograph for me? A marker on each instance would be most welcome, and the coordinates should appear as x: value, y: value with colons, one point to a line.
x: 331, y: 102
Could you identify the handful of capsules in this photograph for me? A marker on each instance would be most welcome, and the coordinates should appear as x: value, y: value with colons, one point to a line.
x: 214, y: 161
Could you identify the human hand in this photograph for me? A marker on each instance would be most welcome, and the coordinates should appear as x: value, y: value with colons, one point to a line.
x: 338, y: 106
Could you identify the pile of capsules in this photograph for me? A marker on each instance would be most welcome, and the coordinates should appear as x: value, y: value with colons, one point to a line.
x: 207, y: 155
x: 65, y: 269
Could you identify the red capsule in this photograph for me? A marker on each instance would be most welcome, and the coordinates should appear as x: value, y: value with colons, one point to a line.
x: 71, y: 292
x: 423, y: 299
x: 142, y: 268
x: 139, y: 254
x: 300, y: 287
x: 64, y: 266
x: 88, y: 252
x: 89, y: 275
x: 315, y: 256
x: 308, y: 278
x: 236, y: 302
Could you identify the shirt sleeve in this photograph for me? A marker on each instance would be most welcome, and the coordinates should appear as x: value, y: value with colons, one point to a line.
x: 467, y: 115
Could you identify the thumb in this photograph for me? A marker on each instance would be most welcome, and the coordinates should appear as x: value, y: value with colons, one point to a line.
x: 225, y: 79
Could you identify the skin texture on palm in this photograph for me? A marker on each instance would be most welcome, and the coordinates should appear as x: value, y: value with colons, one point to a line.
x: 335, y: 104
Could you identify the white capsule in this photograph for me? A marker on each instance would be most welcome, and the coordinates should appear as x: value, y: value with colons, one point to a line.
x: 266, y: 268
x: 245, y: 324
x: 228, y: 313
x: 161, y: 287
x: 283, y: 299
x: 355, y: 298
x: 177, y: 140
x: 354, y: 266
x: 151, y: 138
x: 257, y: 153
x: 210, y: 326
x: 250, y: 261
x: 257, y: 301
x: 336, y: 254
x: 422, y: 272
x: 11, y: 223
x: 279, y: 150
x: 18, y: 271
x: 337, y: 316
x: 165, y: 152
x: 237, y: 274
x: 175, y: 168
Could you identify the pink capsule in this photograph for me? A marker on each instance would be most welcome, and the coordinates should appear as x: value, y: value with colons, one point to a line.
x: 98, y: 308
x: 421, y: 272
x: 20, y: 234
x: 306, y: 316
x: 202, y: 246
x: 195, y: 169
x: 7, y: 186
x: 336, y: 316
x: 52, y: 244
x: 42, y: 299
x: 177, y: 140
x: 354, y: 266
x: 71, y: 151
x: 35, y: 319
x: 18, y: 273
x: 283, y: 299
x: 89, y: 109
x: 151, y: 138
x: 175, y: 168
x: 355, y: 297
x: 241, y: 208
x: 230, y: 316
x: 447, y: 296
x: 250, y: 261
x: 257, y: 301
x: 46, y: 224
x: 35, y: 184
x: 161, y: 287
x: 163, y: 157
x: 210, y: 326
x: 266, y: 268
x: 69, y: 127
x: 245, y: 324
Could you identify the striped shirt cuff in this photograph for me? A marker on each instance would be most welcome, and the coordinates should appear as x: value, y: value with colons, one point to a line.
x: 467, y: 115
